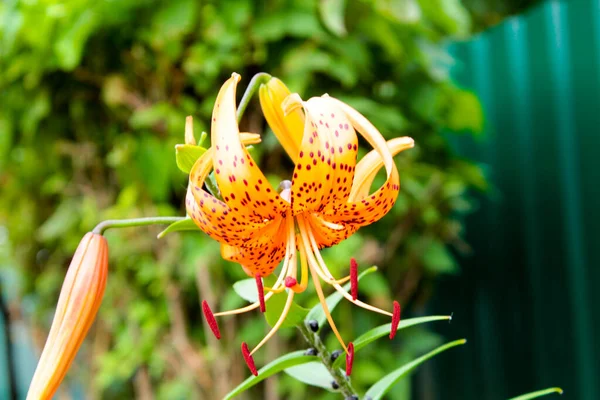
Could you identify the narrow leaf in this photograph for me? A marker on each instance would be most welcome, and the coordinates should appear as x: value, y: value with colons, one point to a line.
x: 384, y: 330
x: 275, y: 366
x: 539, y: 393
x: 332, y: 300
x: 246, y: 289
x: 381, y: 387
x: 183, y: 225
x: 313, y: 373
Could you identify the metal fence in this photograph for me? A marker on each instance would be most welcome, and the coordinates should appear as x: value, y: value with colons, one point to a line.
x: 527, y: 297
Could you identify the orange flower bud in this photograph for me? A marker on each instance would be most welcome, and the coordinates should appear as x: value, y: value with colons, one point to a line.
x: 79, y: 300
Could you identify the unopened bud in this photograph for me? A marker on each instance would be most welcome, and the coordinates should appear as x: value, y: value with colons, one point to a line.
x: 78, y: 303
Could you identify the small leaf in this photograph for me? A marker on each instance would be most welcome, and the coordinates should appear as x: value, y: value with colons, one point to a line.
x: 312, y: 373
x: 332, y: 300
x: 332, y: 13
x: 246, y: 289
x: 275, y: 306
x: 539, y: 393
x: 183, y: 225
x: 381, y: 387
x: 186, y: 155
x: 384, y: 330
x: 275, y: 366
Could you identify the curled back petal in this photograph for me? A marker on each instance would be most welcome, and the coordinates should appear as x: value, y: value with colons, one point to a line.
x: 343, y: 149
x: 212, y: 215
x: 369, y: 165
x: 371, y: 208
x: 262, y: 254
x: 328, y: 234
x: 287, y: 128
x: 243, y: 185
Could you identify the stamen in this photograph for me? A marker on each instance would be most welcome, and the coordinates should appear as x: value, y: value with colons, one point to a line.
x: 261, y: 292
x: 210, y: 319
x: 286, y: 309
x: 354, y: 278
x: 349, y: 358
x: 290, y: 281
x: 323, y: 302
x: 249, y: 360
x: 395, y: 319
x: 341, y: 290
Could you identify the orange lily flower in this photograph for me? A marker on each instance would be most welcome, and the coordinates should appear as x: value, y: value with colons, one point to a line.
x: 79, y: 301
x: 326, y: 201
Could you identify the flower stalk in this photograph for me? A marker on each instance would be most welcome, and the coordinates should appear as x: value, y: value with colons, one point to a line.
x: 127, y: 223
x: 340, y: 379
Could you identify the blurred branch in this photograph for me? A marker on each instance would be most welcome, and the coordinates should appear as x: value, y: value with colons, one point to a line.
x: 10, y: 357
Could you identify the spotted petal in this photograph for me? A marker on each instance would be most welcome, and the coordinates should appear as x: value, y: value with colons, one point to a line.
x: 371, y: 208
x: 212, y: 215
x: 369, y: 165
x: 243, y: 186
x: 262, y: 254
x: 325, y: 166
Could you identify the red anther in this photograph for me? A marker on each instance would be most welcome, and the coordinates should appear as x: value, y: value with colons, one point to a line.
x: 353, y: 278
x: 290, y: 281
x: 210, y: 318
x: 395, y: 319
x: 261, y: 292
x: 249, y: 360
x: 349, y: 358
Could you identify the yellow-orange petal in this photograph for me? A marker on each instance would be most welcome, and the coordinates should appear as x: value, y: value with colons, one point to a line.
x: 369, y: 165
x: 261, y: 255
x: 288, y: 128
x: 78, y: 303
x: 241, y: 182
x: 325, y: 166
x: 212, y: 215
x: 373, y: 207
x: 327, y: 234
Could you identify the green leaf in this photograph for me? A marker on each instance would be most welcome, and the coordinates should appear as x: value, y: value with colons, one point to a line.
x: 332, y: 300
x: 184, y: 225
x: 332, y: 14
x: 539, y: 393
x: 246, y: 289
x: 313, y: 373
x: 275, y: 366
x: 275, y: 306
x: 384, y: 330
x: 186, y: 155
x: 381, y: 387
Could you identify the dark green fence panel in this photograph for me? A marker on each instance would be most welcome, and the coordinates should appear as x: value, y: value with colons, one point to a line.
x: 527, y: 297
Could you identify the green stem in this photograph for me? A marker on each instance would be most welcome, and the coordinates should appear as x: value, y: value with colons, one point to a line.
x: 127, y: 223
x: 315, y: 342
x: 253, y: 86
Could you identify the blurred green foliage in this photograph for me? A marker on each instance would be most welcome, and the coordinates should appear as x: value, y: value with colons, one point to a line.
x: 93, y: 99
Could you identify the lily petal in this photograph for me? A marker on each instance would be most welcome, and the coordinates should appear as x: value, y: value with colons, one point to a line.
x: 373, y: 207
x: 287, y: 128
x: 212, y: 215
x: 369, y: 165
x: 327, y: 155
x: 262, y: 254
x: 243, y: 185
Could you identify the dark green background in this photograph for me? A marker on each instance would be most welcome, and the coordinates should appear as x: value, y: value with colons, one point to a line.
x: 526, y: 299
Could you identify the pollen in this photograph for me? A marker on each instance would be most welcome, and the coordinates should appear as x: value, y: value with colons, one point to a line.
x: 261, y: 292
x: 249, y: 359
x: 349, y: 359
x: 210, y: 319
x: 395, y: 319
x: 353, y: 278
